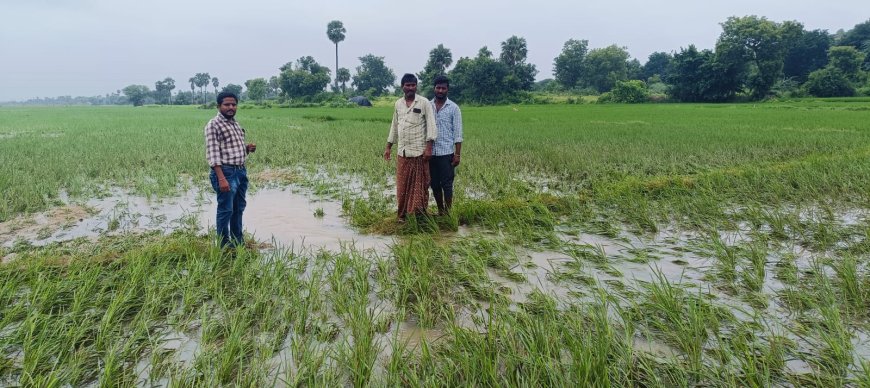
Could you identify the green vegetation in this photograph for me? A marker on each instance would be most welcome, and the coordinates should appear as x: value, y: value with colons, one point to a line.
x: 647, y: 245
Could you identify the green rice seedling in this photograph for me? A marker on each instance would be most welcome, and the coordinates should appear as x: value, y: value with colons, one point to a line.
x: 359, y: 354
x: 863, y: 378
x: 786, y: 269
x: 683, y: 319
x: 851, y: 286
x: 727, y: 258
x: 753, y: 277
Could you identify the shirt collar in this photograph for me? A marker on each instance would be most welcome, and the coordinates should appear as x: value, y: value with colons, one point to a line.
x: 446, y: 101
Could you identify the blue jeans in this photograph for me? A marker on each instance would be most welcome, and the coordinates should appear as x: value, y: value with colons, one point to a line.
x: 230, y: 205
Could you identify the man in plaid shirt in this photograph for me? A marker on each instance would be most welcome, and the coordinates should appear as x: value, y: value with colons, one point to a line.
x: 226, y: 151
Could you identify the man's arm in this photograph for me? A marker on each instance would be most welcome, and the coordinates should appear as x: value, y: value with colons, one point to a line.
x: 457, y: 136
x: 431, y: 130
x: 456, y: 153
x: 223, y: 185
x: 391, y: 138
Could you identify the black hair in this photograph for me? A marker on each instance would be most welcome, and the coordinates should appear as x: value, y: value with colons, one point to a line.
x: 441, y: 79
x: 408, y: 77
x: 225, y: 94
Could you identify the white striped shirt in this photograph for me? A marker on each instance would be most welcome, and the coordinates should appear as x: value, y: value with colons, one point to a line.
x: 412, y: 126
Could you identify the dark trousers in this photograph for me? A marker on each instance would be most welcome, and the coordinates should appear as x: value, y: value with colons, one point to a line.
x: 442, y: 171
x: 231, y: 205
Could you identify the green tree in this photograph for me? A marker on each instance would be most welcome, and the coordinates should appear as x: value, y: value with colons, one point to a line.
x: 306, y: 79
x: 859, y: 38
x: 521, y: 75
x: 603, y: 67
x: 335, y: 32
x: 136, y: 94
x: 274, y: 87
x: 699, y: 76
x: 257, y: 88
x: 164, y: 89
x: 848, y: 60
x: 215, y: 82
x: 481, y: 80
x: 342, y: 77
x: 373, y: 76
x: 568, y: 66
x: 631, y: 91
x: 440, y: 58
x: 234, y: 89
x: 193, y: 81
x: 201, y: 80
x: 807, y: 53
x: 657, y: 64
x: 756, y: 45
x: 829, y: 82
x: 184, y: 98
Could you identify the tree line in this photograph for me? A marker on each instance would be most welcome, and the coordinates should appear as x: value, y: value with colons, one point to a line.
x: 754, y: 58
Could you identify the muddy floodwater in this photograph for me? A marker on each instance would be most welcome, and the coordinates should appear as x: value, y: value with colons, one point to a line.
x: 280, y: 216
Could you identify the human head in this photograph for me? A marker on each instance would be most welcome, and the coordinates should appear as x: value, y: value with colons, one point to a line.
x: 408, y: 77
x: 227, y: 104
x: 441, y: 84
x: 409, y: 86
x: 225, y: 94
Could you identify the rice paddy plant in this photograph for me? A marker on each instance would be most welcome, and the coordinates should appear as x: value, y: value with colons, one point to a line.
x: 424, y: 282
x: 727, y: 258
x: 851, y: 284
x: 756, y: 255
x: 786, y: 269
x: 682, y: 319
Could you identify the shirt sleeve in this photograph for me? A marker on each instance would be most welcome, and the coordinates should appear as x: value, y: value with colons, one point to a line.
x: 457, y: 126
x: 212, y: 145
x: 431, y: 128
x: 394, y: 127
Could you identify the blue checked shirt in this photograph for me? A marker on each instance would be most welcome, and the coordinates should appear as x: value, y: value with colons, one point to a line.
x: 449, y: 123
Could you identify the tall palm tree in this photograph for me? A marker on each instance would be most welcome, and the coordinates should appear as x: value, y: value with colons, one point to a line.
x: 202, y: 80
x: 215, y: 82
x: 335, y: 32
x: 193, y: 89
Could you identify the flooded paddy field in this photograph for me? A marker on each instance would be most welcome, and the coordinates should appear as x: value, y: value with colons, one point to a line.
x: 643, y: 257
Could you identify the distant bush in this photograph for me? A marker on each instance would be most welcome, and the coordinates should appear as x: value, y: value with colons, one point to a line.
x: 829, y: 82
x: 632, y: 92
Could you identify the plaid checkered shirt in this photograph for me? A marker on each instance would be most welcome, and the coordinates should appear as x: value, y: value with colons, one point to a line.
x: 449, y: 122
x: 224, y: 142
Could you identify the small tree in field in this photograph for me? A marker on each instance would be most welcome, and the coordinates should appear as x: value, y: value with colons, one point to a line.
x: 632, y: 91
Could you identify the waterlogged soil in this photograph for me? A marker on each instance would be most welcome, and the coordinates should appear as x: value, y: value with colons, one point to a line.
x: 280, y: 216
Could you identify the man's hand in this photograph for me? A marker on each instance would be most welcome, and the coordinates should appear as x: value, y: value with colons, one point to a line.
x: 455, y: 161
x: 427, y: 152
x: 251, y: 148
x: 224, y: 185
x: 387, y: 154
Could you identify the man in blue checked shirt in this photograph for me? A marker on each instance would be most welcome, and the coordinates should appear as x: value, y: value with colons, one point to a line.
x: 448, y: 145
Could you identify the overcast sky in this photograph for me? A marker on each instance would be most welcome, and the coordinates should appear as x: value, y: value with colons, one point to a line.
x: 51, y: 48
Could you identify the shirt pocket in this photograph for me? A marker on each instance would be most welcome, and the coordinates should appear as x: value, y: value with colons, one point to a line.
x: 413, y: 119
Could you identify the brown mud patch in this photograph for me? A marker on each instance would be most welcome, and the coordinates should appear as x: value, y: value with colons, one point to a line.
x: 43, y: 224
